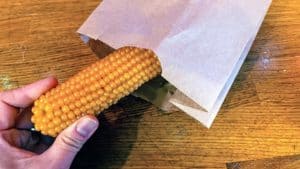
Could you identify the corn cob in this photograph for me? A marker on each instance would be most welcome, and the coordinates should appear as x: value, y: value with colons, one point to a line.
x: 94, y: 89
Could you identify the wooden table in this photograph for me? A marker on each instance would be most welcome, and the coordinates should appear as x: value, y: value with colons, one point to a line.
x: 260, y: 117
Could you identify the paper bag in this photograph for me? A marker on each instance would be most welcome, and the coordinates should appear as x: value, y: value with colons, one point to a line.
x: 201, y: 44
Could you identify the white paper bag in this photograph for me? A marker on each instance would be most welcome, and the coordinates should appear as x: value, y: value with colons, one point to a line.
x: 201, y: 43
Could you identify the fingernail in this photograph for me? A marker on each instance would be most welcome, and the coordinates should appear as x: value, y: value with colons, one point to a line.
x: 86, y: 127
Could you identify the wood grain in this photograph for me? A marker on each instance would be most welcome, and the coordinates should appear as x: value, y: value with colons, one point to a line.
x: 259, y: 119
x: 288, y: 162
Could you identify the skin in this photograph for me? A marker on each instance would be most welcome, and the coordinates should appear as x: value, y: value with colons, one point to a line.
x: 21, y: 148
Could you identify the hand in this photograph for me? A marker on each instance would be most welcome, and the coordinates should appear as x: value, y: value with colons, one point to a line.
x: 21, y: 148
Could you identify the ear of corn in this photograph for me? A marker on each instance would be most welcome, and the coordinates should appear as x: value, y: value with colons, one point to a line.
x: 94, y: 89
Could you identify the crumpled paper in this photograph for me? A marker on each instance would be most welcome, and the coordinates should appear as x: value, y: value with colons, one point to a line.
x: 201, y: 43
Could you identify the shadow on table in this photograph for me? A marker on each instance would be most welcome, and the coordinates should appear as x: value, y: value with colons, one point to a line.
x: 110, y: 146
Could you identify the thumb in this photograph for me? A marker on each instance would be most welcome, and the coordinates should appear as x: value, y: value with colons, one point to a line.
x: 70, y: 141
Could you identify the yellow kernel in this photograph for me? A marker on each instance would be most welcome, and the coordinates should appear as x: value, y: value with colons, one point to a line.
x: 139, y: 67
x: 62, y: 94
x: 135, y: 70
x: 55, y: 106
x: 93, y: 103
x: 56, y: 120
x: 100, y: 92
x: 113, y: 85
x: 106, y: 80
x: 97, y: 86
x: 65, y: 109
x: 72, y: 106
x: 37, y: 112
x: 83, y: 100
x: 71, y: 115
x: 37, y: 127
x: 104, y: 105
x: 68, y: 122
x: 47, y: 94
x: 147, y: 71
x: 119, y: 71
x: 52, y: 132
x: 135, y: 80
x: 114, y: 92
x: 87, y: 106
x: 108, y: 88
x: 72, y: 82
x: 111, y: 76
x: 64, y: 117
x: 120, y: 89
x: 98, y: 102
x: 33, y: 119
x: 95, y: 68
x: 94, y: 95
x: 49, y: 115
x: 92, y: 78
x: 124, y: 68
x: 57, y: 129
x: 78, y: 104
x: 60, y: 102
x: 57, y: 112
x: 133, y: 62
x: 96, y: 108
x: 77, y: 112
x: 48, y: 108
x: 105, y: 71
x: 63, y: 125
x: 82, y: 93
x: 36, y: 103
x: 44, y: 132
x: 124, y: 59
x: 103, y: 97
x: 88, y: 81
x: 45, y: 120
x: 92, y: 88
x: 78, y: 87
x: 89, y: 98
x: 91, y: 112
x: 130, y: 82
x: 68, y: 92
x: 50, y: 125
x: 131, y: 74
x: 86, y: 90
x: 127, y: 76
x: 82, y: 109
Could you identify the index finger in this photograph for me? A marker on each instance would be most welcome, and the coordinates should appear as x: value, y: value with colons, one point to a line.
x: 24, y: 96
x: 21, y: 97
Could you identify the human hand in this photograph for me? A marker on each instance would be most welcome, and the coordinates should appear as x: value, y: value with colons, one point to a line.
x: 21, y: 148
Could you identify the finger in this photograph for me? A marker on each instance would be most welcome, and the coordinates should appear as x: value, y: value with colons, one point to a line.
x: 21, y: 97
x: 20, y: 138
x: 23, y: 120
x: 24, y: 96
x: 7, y: 116
x: 70, y: 141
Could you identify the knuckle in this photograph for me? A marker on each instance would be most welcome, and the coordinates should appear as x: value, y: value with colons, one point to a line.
x: 71, y: 143
x: 4, y: 124
x: 2, y: 141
